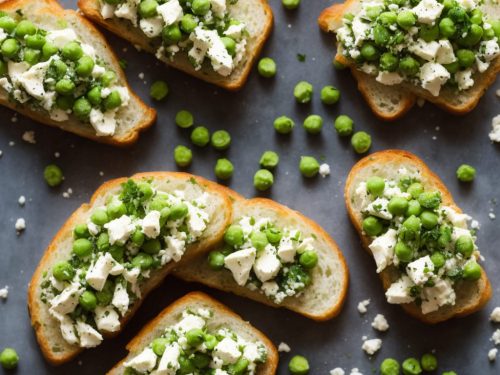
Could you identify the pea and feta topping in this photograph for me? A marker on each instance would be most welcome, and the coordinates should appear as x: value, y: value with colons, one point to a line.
x: 427, y: 43
x: 262, y: 256
x: 56, y: 73
x: 198, y: 345
x: 139, y: 230
x: 414, y: 233
x: 203, y: 29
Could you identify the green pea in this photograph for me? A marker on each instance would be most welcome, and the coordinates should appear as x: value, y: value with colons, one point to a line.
x: 49, y: 50
x: 143, y: 261
x: 403, y: 252
x: 388, y: 62
x: 266, y: 67
x: 186, y: 367
x: 308, y: 166
x: 290, y: 4
x: 94, y: 96
x: 429, y: 362
x: 375, y: 186
x: 137, y: 238
x: 82, y: 108
x: 82, y: 247
x: 476, y: 16
x: 184, y: 119
x: 200, y: 7
x: 158, y: 345
x: 117, y: 252
x: 429, y: 219
x: 103, y: 242
x: 32, y: 56
x: 99, y: 216
x: 464, y: 245
x: 188, y: 23
x: 234, y: 235
x: 145, y: 189
x: 147, y: 8
x: 415, y: 189
x: 411, y: 366
x: 273, y: 235
x: 178, y: 211
x: 457, y: 13
x: 438, y: 259
x: 283, y: 125
x: 389, y: 366
x: 473, y: 37
x: 8, y: 23
x: 303, y: 92
x: 495, y: 25
x: 152, y: 246
x: 221, y: 140
x: 313, y: 124
x: 53, y: 175
x: 263, y: 179
x: 171, y: 34
x: 216, y: 260
x: 81, y: 231
x: 414, y: 208
x: 361, y: 142
x: 269, y: 160
x: 406, y: 19
x: 84, y: 66
x: 372, y: 226
x: 24, y: 28
x: 298, y: 365
x: 344, y: 125
x: 210, y: 341
x: 164, y: 215
x: 201, y: 360
x: 183, y: 156
x: 65, y: 86
x: 397, y: 206
x: 429, y: 33
x: 105, y: 296
x: 430, y: 199
x: 239, y: 368
x: 10, y: 47
x: 381, y: 35
x: 466, y: 173
x: 472, y: 271
x: 409, y: 66
x: 63, y: 271
x: 330, y: 95
x: 88, y: 300
x: 116, y: 209
x: 35, y: 41
x: 158, y: 203
x: 369, y: 52
x: 412, y: 224
x: 60, y: 68
x: 200, y: 136
x: 113, y: 100
x: 259, y: 240
x: 388, y: 18
x: 308, y: 259
x: 230, y: 45
x: 195, y: 337
x: 107, y: 78
x: 449, y: 373
x: 465, y: 57
x: 158, y: 90
x: 9, y: 359
x: 223, y: 169
x: 444, y: 237
x: 72, y: 51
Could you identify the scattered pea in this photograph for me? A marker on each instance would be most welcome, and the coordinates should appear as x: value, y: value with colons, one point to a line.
x: 221, y: 140
x: 266, y: 67
x: 344, y: 125
x: 389, y: 366
x: 263, y: 179
x: 200, y: 136
x: 290, y: 4
x: 283, y: 125
x: 361, y: 142
x: 313, y: 124
x: 411, y: 366
x: 53, y: 175
x: 330, y: 95
x: 184, y: 119
x: 269, y: 160
x: 303, y: 92
x: 183, y: 156
x: 9, y: 359
x: 466, y: 173
x: 223, y: 169
x: 309, y: 166
x: 429, y: 362
x: 159, y: 90
x: 298, y: 365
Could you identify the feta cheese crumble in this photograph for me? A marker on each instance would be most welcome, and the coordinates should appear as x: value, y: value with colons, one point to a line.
x: 4, y: 292
x: 371, y: 346
x: 362, y: 306
x: 20, y: 224
x: 283, y: 347
x: 380, y: 323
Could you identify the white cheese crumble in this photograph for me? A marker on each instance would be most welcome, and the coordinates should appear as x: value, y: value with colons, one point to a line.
x: 495, y: 129
x: 362, y: 306
x: 20, y: 224
x: 29, y: 136
x: 284, y: 347
x: 496, y: 337
x: 22, y: 200
x: 495, y: 315
x: 4, y: 292
x: 324, y: 170
x: 492, y: 354
x: 337, y: 371
x: 380, y: 323
x: 371, y: 346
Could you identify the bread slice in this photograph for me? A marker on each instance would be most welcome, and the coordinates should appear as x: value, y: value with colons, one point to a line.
x: 471, y: 296
x: 392, y: 102
x: 223, y: 316
x: 256, y: 14
x: 48, y: 14
x: 55, y: 349
x: 322, y: 300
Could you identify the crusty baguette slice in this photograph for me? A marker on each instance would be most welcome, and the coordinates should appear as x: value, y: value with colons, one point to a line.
x: 322, y: 300
x: 48, y: 14
x: 222, y: 316
x: 392, y: 102
x: 256, y: 14
x: 471, y: 296
x: 53, y: 346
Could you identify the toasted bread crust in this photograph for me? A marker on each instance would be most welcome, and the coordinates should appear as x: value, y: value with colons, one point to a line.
x: 328, y: 314
x: 198, y: 297
x: 388, y: 276
x: 52, y: 8
x: 90, y: 9
x: 331, y: 18
x: 34, y: 305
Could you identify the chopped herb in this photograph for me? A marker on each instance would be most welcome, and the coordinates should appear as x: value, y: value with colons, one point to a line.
x: 301, y: 57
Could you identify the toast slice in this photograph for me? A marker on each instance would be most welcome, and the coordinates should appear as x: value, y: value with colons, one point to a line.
x: 48, y: 14
x: 222, y: 317
x: 471, y: 296
x: 55, y: 349
x: 256, y: 14
x: 392, y: 102
x: 321, y: 300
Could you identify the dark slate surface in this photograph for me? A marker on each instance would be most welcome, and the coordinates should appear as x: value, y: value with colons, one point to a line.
x: 460, y: 344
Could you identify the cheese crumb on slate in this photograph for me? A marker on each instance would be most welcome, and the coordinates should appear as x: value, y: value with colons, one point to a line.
x: 495, y: 315
x: 492, y: 216
x: 21, y: 200
x: 337, y: 371
x: 4, y: 292
x: 495, y: 129
x: 372, y: 346
x: 492, y: 354
x: 362, y: 306
x: 20, y: 224
x: 496, y: 337
x: 324, y: 170
x: 29, y: 136
x: 355, y: 371
x: 283, y: 347
x: 380, y: 323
